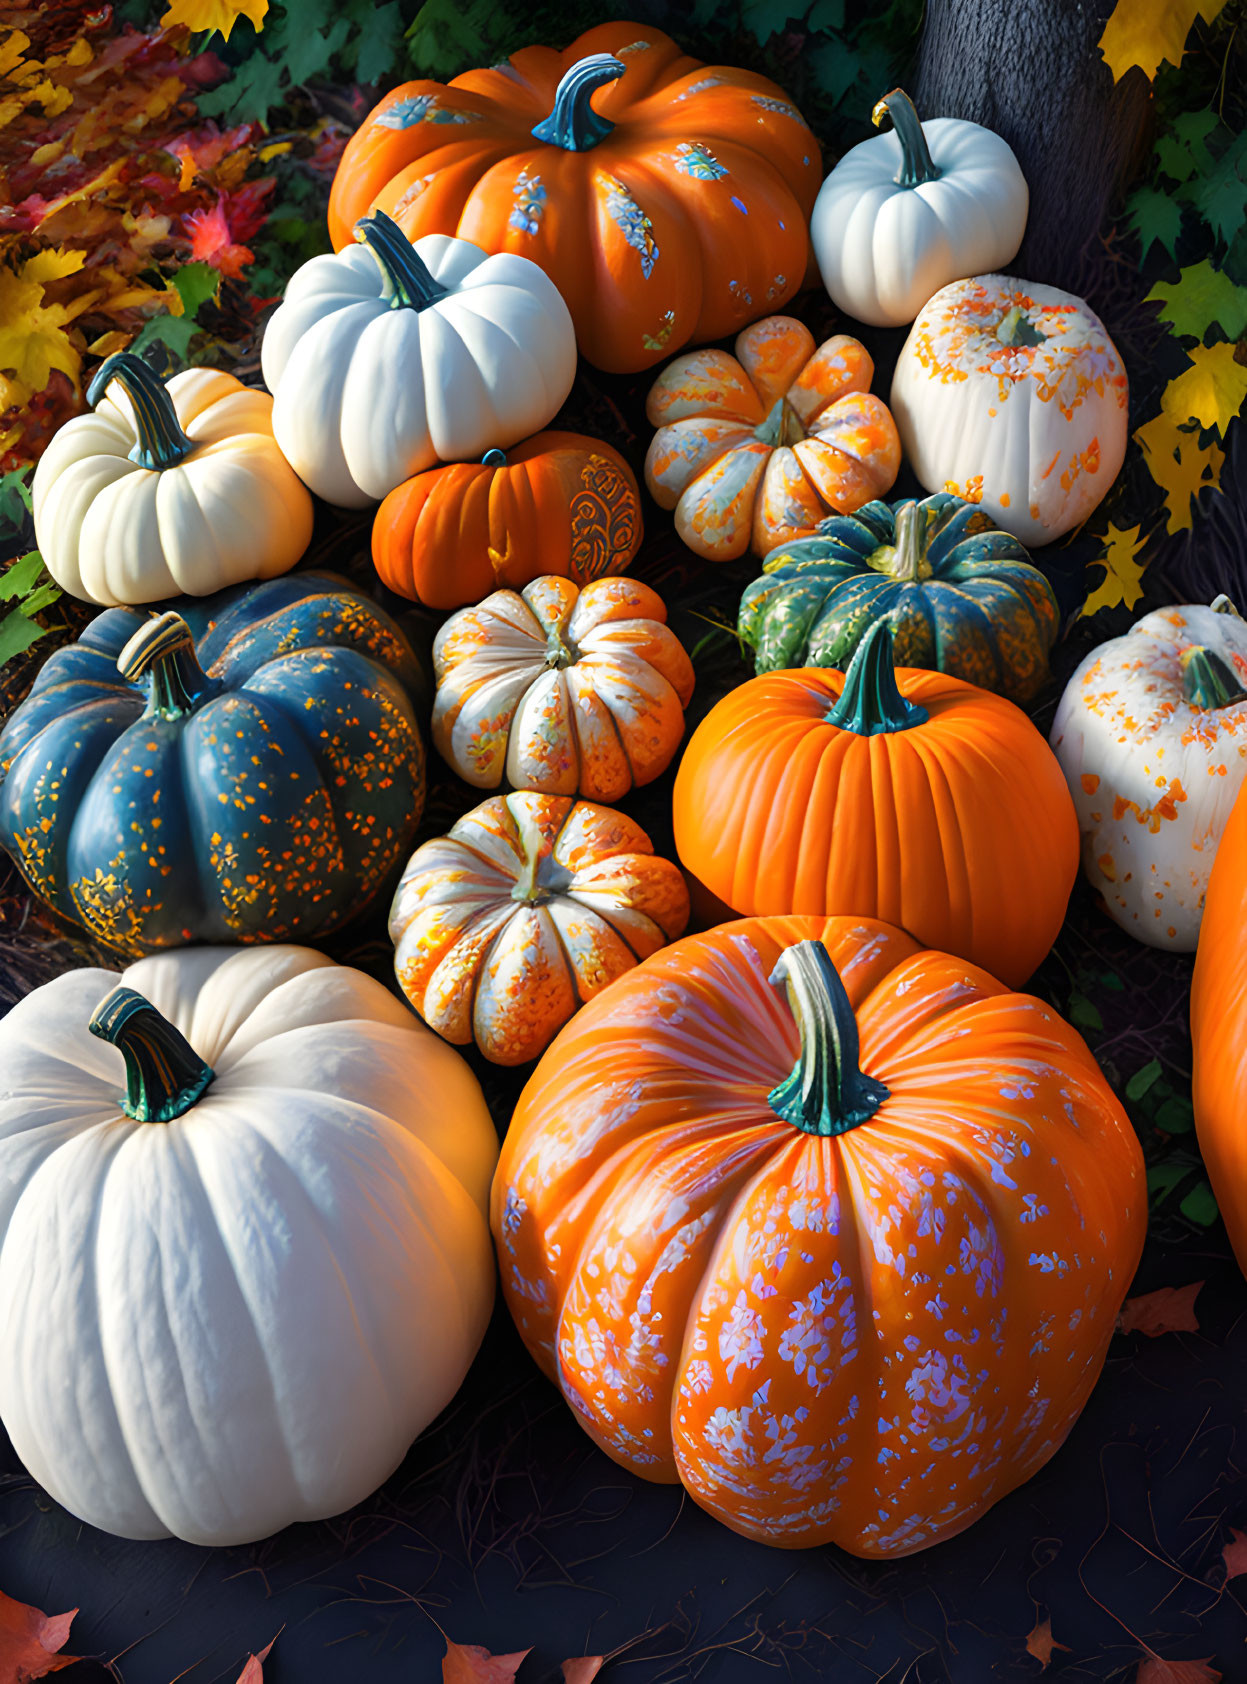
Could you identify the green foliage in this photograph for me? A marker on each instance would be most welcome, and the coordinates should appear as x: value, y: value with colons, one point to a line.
x: 1200, y: 297
x: 25, y: 584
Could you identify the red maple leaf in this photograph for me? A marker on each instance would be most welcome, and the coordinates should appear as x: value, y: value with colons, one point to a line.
x: 582, y: 1671
x: 30, y: 1641
x: 1155, y: 1670
x: 1170, y: 1310
x: 468, y: 1663
x: 253, y: 1672
x: 212, y: 241
x: 245, y: 209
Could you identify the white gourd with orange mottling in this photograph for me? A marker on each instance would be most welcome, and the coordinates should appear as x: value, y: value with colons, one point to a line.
x: 1151, y: 734
x: 1013, y: 395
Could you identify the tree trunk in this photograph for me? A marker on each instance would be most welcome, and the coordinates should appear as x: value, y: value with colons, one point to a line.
x: 1031, y: 70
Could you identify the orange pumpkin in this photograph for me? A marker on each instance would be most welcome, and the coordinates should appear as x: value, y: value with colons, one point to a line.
x: 561, y: 690
x: 528, y: 908
x: 759, y: 447
x: 558, y: 503
x: 1219, y: 1030
x: 910, y: 796
x: 667, y: 199
x: 846, y: 1265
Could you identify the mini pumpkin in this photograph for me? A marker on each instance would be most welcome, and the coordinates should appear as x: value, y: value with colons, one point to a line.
x: 961, y: 596
x: 167, y: 489
x: 669, y: 200
x: 561, y: 690
x: 528, y: 908
x: 1219, y: 1030
x: 904, y: 213
x: 1013, y: 395
x: 756, y: 449
x: 244, y: 1251
x: 558, y: 503
x: 247, y: 767
x: 904, y: 795
x: 804, y: 1255
x: 1151, y: 734
x: 390, y: 357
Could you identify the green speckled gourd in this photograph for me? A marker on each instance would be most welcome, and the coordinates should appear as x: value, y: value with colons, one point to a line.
x: 962, y: 596
x: 242, y: 767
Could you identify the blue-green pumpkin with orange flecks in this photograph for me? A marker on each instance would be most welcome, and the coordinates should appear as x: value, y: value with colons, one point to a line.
x: 961, y: 595
x: 240, y: 768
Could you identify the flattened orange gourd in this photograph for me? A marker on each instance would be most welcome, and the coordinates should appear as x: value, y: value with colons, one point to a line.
x: 668, y: 200
x: 848, y: 1293
x: 529, y: 907
x: 558, y: 503
x: 906, y: 795
x: 756, y: 449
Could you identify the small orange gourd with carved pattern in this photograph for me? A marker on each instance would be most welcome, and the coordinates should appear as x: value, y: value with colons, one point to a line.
x: 559, y: 503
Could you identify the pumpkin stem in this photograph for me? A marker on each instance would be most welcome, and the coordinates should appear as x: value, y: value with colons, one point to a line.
x: 164, y: 1073
x: 917, y: 165
x: 160, y: 442
x: 163, y: 651
x: 1016, y: 328
x: 494, y: 459
x: 826, y: 1092
x: 870, y: 703
x: 1208, y: 681
x: 574, y: 124
x: 1223, y: 605
x: 408, y: 282
x: 909, y: 554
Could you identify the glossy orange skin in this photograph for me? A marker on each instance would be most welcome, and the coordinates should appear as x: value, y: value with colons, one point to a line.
x: 687, y: 221
x: 753, y: 450
x: 960, y: 830
x: 561, y: 503
x: 1219, y: 1031
x: 864, y: 1340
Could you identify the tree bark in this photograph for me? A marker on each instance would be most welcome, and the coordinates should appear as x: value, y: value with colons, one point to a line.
x: 1031, y: 70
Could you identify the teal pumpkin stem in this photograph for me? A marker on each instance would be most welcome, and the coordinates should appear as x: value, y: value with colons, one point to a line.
x: 160, y: 442
x: 1016, y: 328
x: 494, y: 459
x: 917, y: 164
x: 164, y: 1074
x: 870, y: 703
x: 574, y: 124
x: 827, y: 1092
x: 909, y: 564
x: 163, y: 652
x: 1207, y: 680
x: 409, y: 285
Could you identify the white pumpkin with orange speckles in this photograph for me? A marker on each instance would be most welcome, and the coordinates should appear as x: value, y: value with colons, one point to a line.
x: 1013, y: 395
x: 1151, y: 734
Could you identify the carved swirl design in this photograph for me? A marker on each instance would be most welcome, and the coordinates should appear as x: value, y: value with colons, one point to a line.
x: 604, y: 518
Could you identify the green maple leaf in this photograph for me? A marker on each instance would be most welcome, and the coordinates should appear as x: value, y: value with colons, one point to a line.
x: 1154, y: 216
x: 309, y: 52
x: 251, y: 92
x: 1220, y: 194
x: 764, y: 18
x: 196, y: 284
x: 380, y: 42
x: 1200, y: 296
x: 174, y: 332
x: 1185, y: 153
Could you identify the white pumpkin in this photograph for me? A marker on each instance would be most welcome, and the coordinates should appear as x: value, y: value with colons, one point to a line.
x: 239, y: 1312
x: 1013, y: 396
x: 904, y: 213
x: 389, y: 357
x: 1151, y: 734
x: 167, y: 490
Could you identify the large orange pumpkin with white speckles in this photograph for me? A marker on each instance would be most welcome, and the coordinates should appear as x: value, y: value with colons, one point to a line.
x: 562, y: 690
x: 529, y: 907
x: 845, y: 1263
x: 756, y: 449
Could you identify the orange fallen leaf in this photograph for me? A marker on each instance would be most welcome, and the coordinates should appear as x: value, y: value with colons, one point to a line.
x: 1235, y: 1554
x: 1170, y: 1310
x: 1154, y: 1670
x: 30, y: 1641
x: 468, y: 1663
x: 253, y: 1672
x: 1041, y: 1643
x: 582, y: 1671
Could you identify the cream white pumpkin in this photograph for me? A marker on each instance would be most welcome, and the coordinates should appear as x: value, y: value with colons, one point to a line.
x: 167, y: 490
x: 239, y: 1312
x: 1013, y: 396
x: 389, y: 357
x: 904, y: 213
x: 1151, y: 734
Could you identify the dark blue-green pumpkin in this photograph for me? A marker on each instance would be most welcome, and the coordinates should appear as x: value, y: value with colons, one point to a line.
x: 239, y: 768
x: 962, y: 596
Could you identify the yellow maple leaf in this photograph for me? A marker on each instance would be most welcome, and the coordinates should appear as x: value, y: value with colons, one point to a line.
x: 1180, y: 465
x: 1122, y: 572
x: 33, y: 340
x: 200, y: 15
x: 1211, y: 391
x: 1144, y: 32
